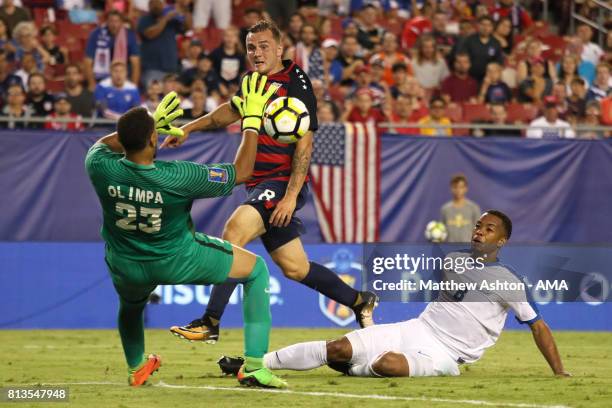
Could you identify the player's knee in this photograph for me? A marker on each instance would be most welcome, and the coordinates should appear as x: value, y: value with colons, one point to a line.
x: 295, y: 269
x: 339, y: 350
x: 234, y: 234
x: 391, y: 364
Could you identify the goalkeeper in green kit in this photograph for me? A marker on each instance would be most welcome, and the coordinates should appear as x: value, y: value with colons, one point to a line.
x: 149, y: 233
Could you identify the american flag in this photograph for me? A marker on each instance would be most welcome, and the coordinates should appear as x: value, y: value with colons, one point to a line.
x: 346, y: 181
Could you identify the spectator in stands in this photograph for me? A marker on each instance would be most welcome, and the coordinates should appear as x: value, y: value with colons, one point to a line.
x: 607, y: 58
x: 39, y: 100
x: 591, y: 52
x: 576, y: 101
x: 116, y: 95
x: 444, y: 40
x: 560, y: 92
x: 171, y: 83
x: 568, y: 70
x: 296, y: 21
x: 212, y: 100
x: 349, y: 58
x: 16, y: 108
x: 158, y: 30
x: 460, y: 87
x: 327, y: 112
x: 606, y: 110
x: 389, y: 56
x: 12, y: 15
x: 228, y: 59
x: 399, y: 71
x: 520, y: 18
x: 601, y: 86
x: 536, y: 86
x: 460, y: 214
x: 499, y: 116
x: 221, y: 11
x: 193, y: 52
x: 7, y: 78
x: 205, y: 71
x: 466, y: 28
x: 25, y: 39
x: 319, y: 90
x: 493, y: 89
x: 482, y: 48
x: 550, y: 126
x: 57, y: 55
x: 533, y: 48
x: 592, y: 118
x: 370, y: 33
x: 503, y: 34
x: 80, y: 98
x: 436, y: 117
x: 153, y: 95
x: 363, y: 109
x: 332, y: 67
x: 6, y: 44
x: 198, y: 105
x: 307, y: 52
x: 28, y: 67
x: 249, y: 18
x: 402, y: 114
x: 62, y: 110
x: 107, y: 44
x: 429, y: 66
x: 416, y: 94
x: 324, y: 28
x: 364, y: 80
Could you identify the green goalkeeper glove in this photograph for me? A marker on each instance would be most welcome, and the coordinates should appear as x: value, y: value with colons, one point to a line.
x: 253, y: 102
x: 167, y: 111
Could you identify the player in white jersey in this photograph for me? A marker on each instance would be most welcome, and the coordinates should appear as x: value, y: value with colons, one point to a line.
x: 454, y: 329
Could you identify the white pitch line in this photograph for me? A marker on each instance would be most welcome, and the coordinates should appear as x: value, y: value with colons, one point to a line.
x: 327, y: 394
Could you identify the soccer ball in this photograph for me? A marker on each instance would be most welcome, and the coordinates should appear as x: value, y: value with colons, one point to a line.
x: 286, y: 119
x: 435, y: 231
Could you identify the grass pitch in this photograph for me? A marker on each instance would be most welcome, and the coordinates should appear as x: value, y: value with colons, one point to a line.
x: 91, y: 364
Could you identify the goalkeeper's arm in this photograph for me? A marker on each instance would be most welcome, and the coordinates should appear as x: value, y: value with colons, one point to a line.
x: 221, y: 117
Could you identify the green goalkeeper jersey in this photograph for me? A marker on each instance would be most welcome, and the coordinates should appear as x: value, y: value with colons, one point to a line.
x: 146, y: 209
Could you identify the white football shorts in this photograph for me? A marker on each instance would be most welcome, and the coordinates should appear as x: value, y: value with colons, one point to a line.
x: 425, y: 354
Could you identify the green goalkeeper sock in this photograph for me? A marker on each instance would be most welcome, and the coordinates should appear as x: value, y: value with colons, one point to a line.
x: 252, y: 363
x: 256, y: 311
x: 131, y: 330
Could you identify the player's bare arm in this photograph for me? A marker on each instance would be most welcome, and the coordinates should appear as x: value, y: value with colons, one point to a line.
x: 245, y: 157
x: 299, y: 170
x: 221, y: 117
x: 545, y: 341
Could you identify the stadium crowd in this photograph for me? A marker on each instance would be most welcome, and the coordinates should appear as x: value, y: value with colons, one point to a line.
x: 432, y: 62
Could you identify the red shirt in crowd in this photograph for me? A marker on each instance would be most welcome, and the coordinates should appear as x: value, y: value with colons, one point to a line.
x: 374, y: 114
x: 459, y: 90
x: 76, y: 125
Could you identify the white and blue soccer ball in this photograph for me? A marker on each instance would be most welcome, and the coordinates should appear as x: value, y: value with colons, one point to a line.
x: 286, y: 119
x: 435, y: 231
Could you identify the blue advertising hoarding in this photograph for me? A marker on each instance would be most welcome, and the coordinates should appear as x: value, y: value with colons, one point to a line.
x: 66, y: 285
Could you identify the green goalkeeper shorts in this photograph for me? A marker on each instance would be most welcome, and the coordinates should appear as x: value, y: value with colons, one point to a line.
x: 207, y: 260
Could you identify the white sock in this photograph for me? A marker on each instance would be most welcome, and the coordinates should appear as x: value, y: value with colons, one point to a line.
x: 301, y: 356
x: 362, y: 370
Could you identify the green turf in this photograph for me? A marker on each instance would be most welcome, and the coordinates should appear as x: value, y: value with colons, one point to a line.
x: 511, y: 372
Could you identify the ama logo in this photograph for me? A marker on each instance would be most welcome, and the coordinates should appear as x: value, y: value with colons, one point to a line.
x: 350, y: 272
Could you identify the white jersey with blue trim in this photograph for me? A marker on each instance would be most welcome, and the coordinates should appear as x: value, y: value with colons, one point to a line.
x: 469, y: 321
